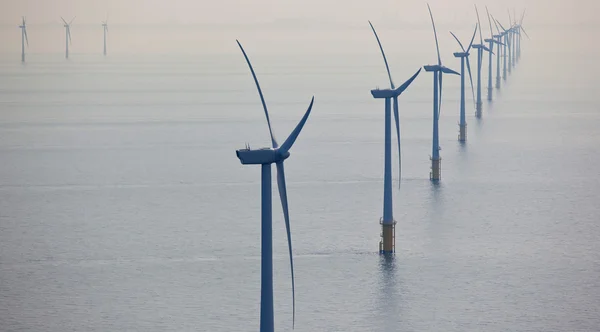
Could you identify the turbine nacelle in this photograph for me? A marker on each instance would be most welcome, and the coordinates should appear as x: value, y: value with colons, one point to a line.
x: 480, y: 46
x: 386, y: 93
x: 461, y: 54
x: 443, y: 69
x: 261, y: 156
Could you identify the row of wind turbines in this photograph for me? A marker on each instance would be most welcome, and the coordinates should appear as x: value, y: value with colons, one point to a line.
x: 68, y: 41
x: 509, y: 48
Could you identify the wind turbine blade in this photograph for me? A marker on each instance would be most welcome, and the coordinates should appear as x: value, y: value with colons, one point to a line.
x: 501, y: 26
x: 437, y: 46
x: 523, y: 16
x: 440, y: 100
x: 495, y: 23
x: 64, y: 20
x: 459, y: 43
x: 69, y: 34
x: 490, y: 21
x: 397, y: 120
x: 72, y: 20
x: 449, y: 71
x: 25, y: 32
x: 383, y: 54
x: 523, y: 29
x: 487, y: 49
x: 285, y: 147
x: 472, y: 39
x: 286, y: 216
x: 408, y: 82
x: 510, y: 22
x: 479, y: 24
x: 262, y: 99
x: 471, y: 78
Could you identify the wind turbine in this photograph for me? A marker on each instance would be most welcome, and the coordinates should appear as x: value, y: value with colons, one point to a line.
x: 511, y: 36
x: 438, y: 71
x: 265, y: 157
x: 387, y: 245
x: 480, y: 48
x: 464, y: 57
x: 491, y: 42
x: 105, y: 29
x: 499, y: 37
x: 519, y: 29
x: 506, y: 52
x: 23, y: 39
x: 67, y: 35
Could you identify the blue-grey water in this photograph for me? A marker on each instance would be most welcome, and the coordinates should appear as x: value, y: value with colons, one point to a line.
x: 124, y: 208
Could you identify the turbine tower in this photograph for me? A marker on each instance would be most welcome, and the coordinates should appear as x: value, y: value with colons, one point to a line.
x: 464, y: 58
x: 23, y: 39
x: 105, y: 30
x: 265, y: 157
x: 388, y: 224
x: 67, y: 36
x: 438, y: 71
x: 480, y: 48
x: 491, y: 42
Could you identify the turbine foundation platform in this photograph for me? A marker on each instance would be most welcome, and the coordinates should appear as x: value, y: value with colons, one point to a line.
x: 387, y: 244
x: 462, y: 133
x: 436, y: 169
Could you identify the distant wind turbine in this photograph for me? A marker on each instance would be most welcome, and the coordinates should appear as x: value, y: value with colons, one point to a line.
x: 506, y: 52
x: 265, y: 157
x: 23, y: 39
x: 520, y: 37
x: 67, y: 36
x: 464, y: 58
x: 491, y: 42
x: 438, y: 71
x: 511, y: 45
x: 501, y: 53
x: 105, y: 30
x: 480, y: 48
x: 387, y: 245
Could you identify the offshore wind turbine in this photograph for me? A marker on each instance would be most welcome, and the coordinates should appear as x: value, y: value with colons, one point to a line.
x: 511, y: 45
x: 506, y: 52
x: 491, y: 42
x: 105, y: 30
x: 438, y: 71
x: 24, y: 39
x: 520, y: 29
x: 464, y: 58
x: 265, y: 157
x: 499, y: 37
x: 67, y: 36
x: 480, y: 48
x: 388, y: 224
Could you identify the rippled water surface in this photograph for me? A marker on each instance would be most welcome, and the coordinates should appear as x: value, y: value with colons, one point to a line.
x: 123, y: 206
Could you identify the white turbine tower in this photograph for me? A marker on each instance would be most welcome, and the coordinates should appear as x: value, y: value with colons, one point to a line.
x: 105, y: 29
x: 67, y: 36
x: 23, y: 39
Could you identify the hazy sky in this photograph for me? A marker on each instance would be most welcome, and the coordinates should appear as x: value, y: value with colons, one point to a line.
x: 140, y: 25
